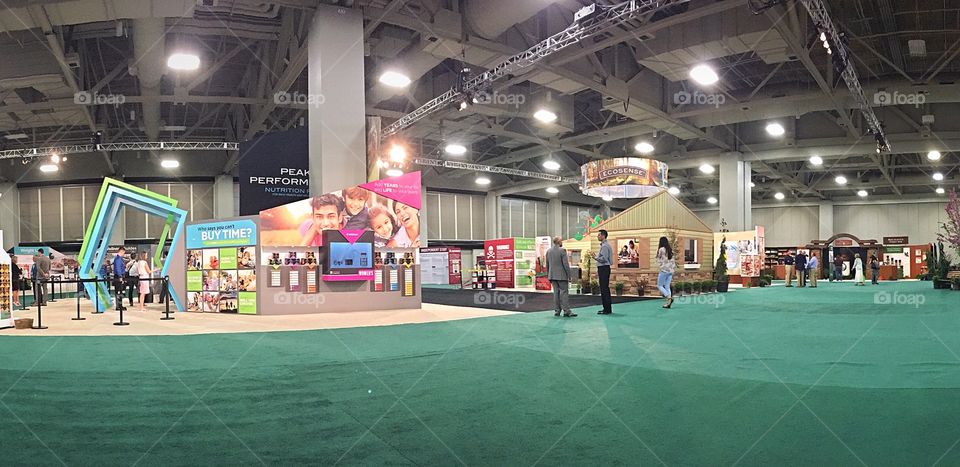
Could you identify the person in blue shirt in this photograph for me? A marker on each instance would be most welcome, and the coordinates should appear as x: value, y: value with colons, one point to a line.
x: 813, y: 269
x: 120, y: 276
x: 604, y: 258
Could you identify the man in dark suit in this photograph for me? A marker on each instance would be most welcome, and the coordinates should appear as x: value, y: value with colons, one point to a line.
x: 558, y: 272
x: 801, y: 269
x: 43, y: 275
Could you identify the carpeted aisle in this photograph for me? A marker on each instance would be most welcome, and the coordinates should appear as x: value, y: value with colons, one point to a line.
x: 826, y: 376
x: 513, y: 300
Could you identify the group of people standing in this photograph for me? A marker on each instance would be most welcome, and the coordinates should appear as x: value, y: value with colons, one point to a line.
x: 558, y: 272
x: 135, y: 272
x: 807, y: 270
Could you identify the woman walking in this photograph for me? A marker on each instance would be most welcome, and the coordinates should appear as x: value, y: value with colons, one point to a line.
x: 144, y: 272
x: 857, y: 269
x: 667, y: 267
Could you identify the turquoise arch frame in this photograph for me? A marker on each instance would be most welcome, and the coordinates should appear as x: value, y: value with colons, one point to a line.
x: 97, y: 241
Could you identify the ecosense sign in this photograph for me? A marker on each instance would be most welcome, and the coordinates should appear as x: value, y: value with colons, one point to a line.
x: 222, y: 234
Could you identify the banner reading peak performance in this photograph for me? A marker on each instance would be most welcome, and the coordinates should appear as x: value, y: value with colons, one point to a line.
x: 274, y: 170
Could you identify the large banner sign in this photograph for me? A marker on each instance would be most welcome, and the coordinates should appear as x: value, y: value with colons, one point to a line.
x: 499, y: 258
x: 623, y: 177
x: 273, y: 170
x: 389, y: 207
x: 221, y: 267
x: 217, y: 234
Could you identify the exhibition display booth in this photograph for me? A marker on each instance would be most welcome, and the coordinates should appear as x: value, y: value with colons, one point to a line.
x: 514, y: 262
x: 441, y: 265
x: 745, y: 254
x: 354, y: 249
x: 634, y: 235
x: 898, y: 259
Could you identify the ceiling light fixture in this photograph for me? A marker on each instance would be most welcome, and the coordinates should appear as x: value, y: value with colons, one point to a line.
x: 49, y: 168
x: 397, y: 153
x: 553, y: 190
x: 704, y: 74
x: 54, y: 158
x: 183, y: 61
x: 940, y: 190
x: 712, y: 200
x: 753, y: 185
x: 775, y: 129
x: 455, y: 149
x: 841, y: 180
x: 551, y: 164
x: 673, y: 190
x: 934, y: 155
x: 707, y: 169
x: 545, y: 116
x: 816, y: 160
x: 779, y: 195
x: 862, y: 193
x: 938, y: 176
x: 482, y: 181
x: 394, y: 79
x: 394, y: 172
x: 644, y: 147
x: 169, y: 163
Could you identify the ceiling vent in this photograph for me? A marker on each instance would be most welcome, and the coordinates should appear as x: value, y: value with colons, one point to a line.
x: 917, y: 47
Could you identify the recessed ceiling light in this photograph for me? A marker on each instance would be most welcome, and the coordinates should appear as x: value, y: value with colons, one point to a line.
x: 48, y: 168
x: 940, y: 190
x: 16, y: 136
x: 169, y: 163
x: 862, y: 193
x: 607, y: 198
x: 841, y: 180
x: 551, y: 164
x: 394, y: 172
x: 775, y: 129
x: 938, y: 176
x: 673, y: 190
x: 183, y: 61
x: 553, y: 190
x: 644, y: 147
x: 712, y: 200
x: 707, y: 169
x: 482, y: 181
x: 779, y: 195
x: 545, y: 116
x: 394, y: 79
x: 934, y: 155
x: 455, y: 149
x: 816, y: 160
x: 704, y: 74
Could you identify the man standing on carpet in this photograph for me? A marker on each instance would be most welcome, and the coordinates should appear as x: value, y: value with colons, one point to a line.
x: 43, y: 275
x: 604, y: 258
x: 558, y: 272
x: 801, y: 268
x: 813, y: 269
x: 788, y: 268
x: 120, y: 276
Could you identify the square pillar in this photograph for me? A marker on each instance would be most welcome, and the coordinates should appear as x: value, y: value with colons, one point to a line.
x: 735, y: 193
x: 10, y: 214
x: 555, y: 217
x: 223, y: 197
x: 491, y: 208
x: 825, y: 230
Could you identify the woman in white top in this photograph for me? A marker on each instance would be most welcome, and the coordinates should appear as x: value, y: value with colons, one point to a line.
x: 143, y: 271
x: 667, y: 266
x: 857, y: 269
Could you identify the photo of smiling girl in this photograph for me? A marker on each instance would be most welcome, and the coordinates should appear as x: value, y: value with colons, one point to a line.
x: 382, y: 224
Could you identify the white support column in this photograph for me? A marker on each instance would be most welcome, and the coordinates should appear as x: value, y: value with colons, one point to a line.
x: 223, y: 197
x: 491, y: 207
x: 826, y: 220
x: 735, y: 203
x: 10, y: 214
x: 337, y: 125
x: 555, y: 217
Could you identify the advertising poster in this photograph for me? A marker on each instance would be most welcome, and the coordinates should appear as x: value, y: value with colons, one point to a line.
x: 542, y: 244
x: 389, y: 207
x: 221, y: 265
x: 524, y: 251
x: 740, y: 246
x: 273, y: 170
x: 623, y: 177
x: 628, y: 255
x: 498, y: 255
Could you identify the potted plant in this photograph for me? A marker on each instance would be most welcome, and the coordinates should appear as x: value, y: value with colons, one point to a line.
x: 955, y: 283
x: 711, y: 286
x: 688, y: 287
x: 676, y: 288
x: 618, y: 288
x: 587, y: 283
x: 720, y: 268
x: 941, y: 268
x: 595, y: 287
x: 641, y: 285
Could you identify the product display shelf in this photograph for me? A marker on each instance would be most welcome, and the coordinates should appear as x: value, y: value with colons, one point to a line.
x: 483, y: 279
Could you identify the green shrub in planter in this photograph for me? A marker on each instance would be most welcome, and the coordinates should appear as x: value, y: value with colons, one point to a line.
x: 595, y: 287
x: 618, y: 287
x: 678, y: 287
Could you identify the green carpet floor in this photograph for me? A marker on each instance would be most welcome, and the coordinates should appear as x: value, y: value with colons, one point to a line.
x: 774, y: 376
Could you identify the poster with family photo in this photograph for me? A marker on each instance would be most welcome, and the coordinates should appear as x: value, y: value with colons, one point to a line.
x: 628, y: 255
x: 247, y: 257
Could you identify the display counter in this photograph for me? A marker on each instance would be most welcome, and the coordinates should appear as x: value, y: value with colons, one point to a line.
x: 888, y: 272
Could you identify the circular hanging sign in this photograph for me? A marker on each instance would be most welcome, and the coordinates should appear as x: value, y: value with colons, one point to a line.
x: 623, y: 177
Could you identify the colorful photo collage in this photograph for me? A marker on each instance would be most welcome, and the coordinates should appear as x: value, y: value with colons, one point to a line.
x: 222, y: 280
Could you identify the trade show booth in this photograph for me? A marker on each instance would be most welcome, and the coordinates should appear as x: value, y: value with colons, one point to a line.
x: 745, y: 254
x: 441, y: 265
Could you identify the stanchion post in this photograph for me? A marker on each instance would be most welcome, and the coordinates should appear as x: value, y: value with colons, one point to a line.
x: 39, y: 324
x: 121, y: 322
x: 166, y: 299
x: 79, y: 284
x: 53, y: 288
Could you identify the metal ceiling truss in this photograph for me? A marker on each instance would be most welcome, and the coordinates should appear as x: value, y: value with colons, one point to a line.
x: 143, y: 146
x: 493, y: 169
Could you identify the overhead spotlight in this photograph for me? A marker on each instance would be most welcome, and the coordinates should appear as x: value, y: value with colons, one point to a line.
x: 934, y: 155
x: 841, y: 180
x: 881, y: 143
x: 54, y: 158
x: 816, y: 160
x: 551, y: 164
x: 545, y: 116
x: 394, y: 172
x: 940, y: 190
x: 862, y: 193
x: 455, y: 149
x: 63, y: 159
x: 169, y: 163
x: 49, y: 168
x: 607, y: 198
x: 183, y: 61
x: 482, y: 181
x: 553, y: 190
x: 712, y: 200
x: 775, y: 129
x: 644, y: 147
x: 707, y: 169
x: 823, y: 36
x: 397, y: 153
x: 704, y: 74
x: 464, y: 103
x: 938, y: 176
x: 673, y: 191
x: 394, y: 79
x: 779, y: 195
x: 753, y: 185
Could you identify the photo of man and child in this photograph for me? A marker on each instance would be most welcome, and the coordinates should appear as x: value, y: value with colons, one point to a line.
x: 394, y: 224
